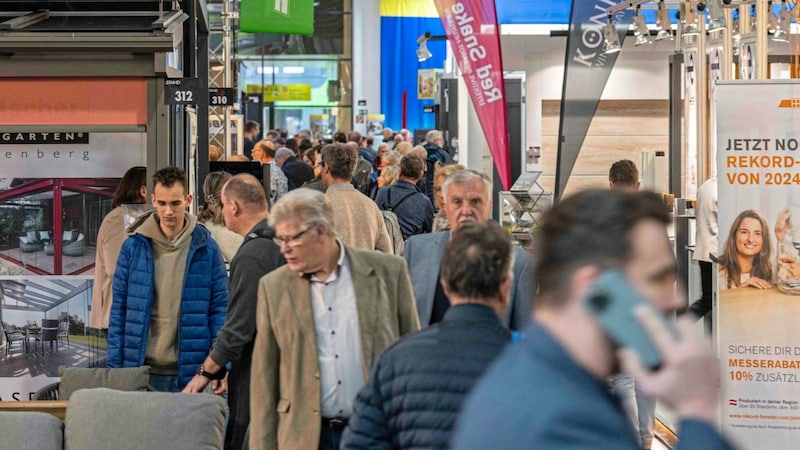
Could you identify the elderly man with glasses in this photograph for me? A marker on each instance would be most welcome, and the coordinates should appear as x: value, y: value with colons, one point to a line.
x: 321, y: 321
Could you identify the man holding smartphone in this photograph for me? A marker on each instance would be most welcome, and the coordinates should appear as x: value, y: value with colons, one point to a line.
x: 549, y: 391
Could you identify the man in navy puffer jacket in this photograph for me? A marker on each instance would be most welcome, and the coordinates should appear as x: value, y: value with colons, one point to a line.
x: 417, y: 386
x: 170, y: 290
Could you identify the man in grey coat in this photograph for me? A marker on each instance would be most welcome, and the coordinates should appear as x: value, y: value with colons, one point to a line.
x: 467, y: 199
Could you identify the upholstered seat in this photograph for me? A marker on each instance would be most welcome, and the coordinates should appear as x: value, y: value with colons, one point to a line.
x: 76, y: 247
x: 31, y: 242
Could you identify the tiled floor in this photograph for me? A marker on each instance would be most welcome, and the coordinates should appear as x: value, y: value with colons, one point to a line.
x: 34, y: 363
x: 42, y: 261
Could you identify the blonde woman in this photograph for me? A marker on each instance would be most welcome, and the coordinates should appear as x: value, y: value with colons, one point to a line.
x: 211, y: 215
x: 388, y: 176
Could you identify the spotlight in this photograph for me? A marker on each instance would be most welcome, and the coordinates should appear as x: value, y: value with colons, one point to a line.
x: 611, y: 44
x: 689, y: 18
x: 772, y: 21
x: 664, y: 22
x: 640, y: 28
x: 715, y: 20
x: 423, y: 54
x: 781, y: 33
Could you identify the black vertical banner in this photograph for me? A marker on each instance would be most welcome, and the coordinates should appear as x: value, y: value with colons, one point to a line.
x: 586, y: 71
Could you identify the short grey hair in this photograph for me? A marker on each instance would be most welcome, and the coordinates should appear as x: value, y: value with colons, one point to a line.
x: 305, y: 134
x: 284, y: 153
x: 465, y: 177
x: 305, y: 208
x: 433, y: 135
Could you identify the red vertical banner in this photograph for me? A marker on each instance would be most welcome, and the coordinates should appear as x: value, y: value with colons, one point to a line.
x: 473, y: 32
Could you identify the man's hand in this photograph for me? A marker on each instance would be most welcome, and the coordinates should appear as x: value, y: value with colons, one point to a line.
x: 197, y: 384
x: 689, y: 375
x: 220, y: 387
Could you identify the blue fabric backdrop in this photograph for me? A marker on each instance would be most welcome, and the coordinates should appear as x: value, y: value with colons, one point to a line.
x: 399, y: 67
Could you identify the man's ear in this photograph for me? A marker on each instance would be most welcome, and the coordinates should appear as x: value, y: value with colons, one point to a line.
x: 582, y: 281
x: 505, y: 290
x: 188, y: 199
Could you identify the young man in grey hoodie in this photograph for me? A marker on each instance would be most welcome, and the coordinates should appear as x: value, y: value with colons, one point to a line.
x: 170, y: 289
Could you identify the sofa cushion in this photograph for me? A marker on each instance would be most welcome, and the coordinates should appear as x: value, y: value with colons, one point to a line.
x: 105, y: 419
x: 32, y: 236
x: 66, y: 236
x: 25, y: 240
x: 44, y: 235
x: 124, y: 379
x: 31, y: 431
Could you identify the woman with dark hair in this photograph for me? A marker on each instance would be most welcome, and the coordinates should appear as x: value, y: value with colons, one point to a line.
x: 746, y: 257
x: 131, y: 190
x: 211, y: 215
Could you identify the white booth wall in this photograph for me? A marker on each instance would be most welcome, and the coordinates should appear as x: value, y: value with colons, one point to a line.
x: 632, y: 117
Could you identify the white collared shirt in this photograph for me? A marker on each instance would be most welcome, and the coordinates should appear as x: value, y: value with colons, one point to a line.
x: 338, y: 339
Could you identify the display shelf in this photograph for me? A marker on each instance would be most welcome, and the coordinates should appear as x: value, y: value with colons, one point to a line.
x: 523, y: 206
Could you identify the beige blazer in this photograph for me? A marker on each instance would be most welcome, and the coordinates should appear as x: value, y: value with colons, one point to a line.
x: 109, y: 242
x: 285, y: 386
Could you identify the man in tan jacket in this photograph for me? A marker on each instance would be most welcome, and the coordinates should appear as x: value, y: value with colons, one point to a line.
x: 321, y: 321
x: 357, y: 220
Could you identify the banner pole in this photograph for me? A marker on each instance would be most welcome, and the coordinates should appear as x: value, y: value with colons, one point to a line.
x: 405, y: 108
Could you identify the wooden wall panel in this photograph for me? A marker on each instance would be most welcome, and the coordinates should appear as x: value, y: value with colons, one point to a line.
x: 621, y: 129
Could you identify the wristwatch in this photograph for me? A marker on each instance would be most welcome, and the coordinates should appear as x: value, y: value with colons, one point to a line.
x: 218, y: 375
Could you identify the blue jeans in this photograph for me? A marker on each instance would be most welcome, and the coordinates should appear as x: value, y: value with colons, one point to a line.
x: 639, y: 408
x: 329, y: 439
x: 164, y: 383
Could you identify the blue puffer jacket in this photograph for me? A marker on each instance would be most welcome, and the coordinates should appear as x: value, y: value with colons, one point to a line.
x: 202, y: 311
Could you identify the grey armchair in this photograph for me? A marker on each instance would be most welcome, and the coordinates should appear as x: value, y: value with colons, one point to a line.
x: 76, y: 247
x: 30, y: 242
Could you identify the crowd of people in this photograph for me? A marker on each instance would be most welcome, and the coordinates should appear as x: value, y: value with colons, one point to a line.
x: 364, y: 306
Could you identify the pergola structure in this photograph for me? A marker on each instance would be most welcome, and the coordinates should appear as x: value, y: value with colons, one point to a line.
x: 103, y: 187
x: 40, y: 294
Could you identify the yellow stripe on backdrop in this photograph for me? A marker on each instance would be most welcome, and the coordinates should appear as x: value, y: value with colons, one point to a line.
x: 408, y: 8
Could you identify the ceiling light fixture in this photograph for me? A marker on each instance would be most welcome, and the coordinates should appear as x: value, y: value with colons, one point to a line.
x: 640, y: 30
x: 715, y: 20
x: 611, y: 44
x: 688, y: 11
x: 423, y: 54
x: 664, y: 22
x: 783, y: 29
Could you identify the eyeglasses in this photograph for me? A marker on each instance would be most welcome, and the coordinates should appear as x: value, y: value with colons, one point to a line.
x: 293, y: 240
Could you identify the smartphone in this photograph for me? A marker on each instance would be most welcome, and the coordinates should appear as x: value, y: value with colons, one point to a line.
x: 612, y: 300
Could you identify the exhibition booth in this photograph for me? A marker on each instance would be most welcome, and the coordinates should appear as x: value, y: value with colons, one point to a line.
x: 686, y: 92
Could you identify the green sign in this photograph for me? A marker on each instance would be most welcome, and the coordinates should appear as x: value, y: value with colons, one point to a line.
x: 277, y: 16
x: 281, y: 92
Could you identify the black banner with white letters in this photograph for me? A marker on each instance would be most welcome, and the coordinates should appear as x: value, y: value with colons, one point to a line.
x: 586, y: 71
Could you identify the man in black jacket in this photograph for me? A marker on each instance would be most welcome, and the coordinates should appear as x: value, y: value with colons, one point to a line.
x: 297, y: 172
x: 413, y: 209
x: 434, y: 141
x: 244, y: 207
x: 416, y: 387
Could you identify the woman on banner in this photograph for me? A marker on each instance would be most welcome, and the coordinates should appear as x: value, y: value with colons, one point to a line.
x: 746, y: 257
x: 131, y: 190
